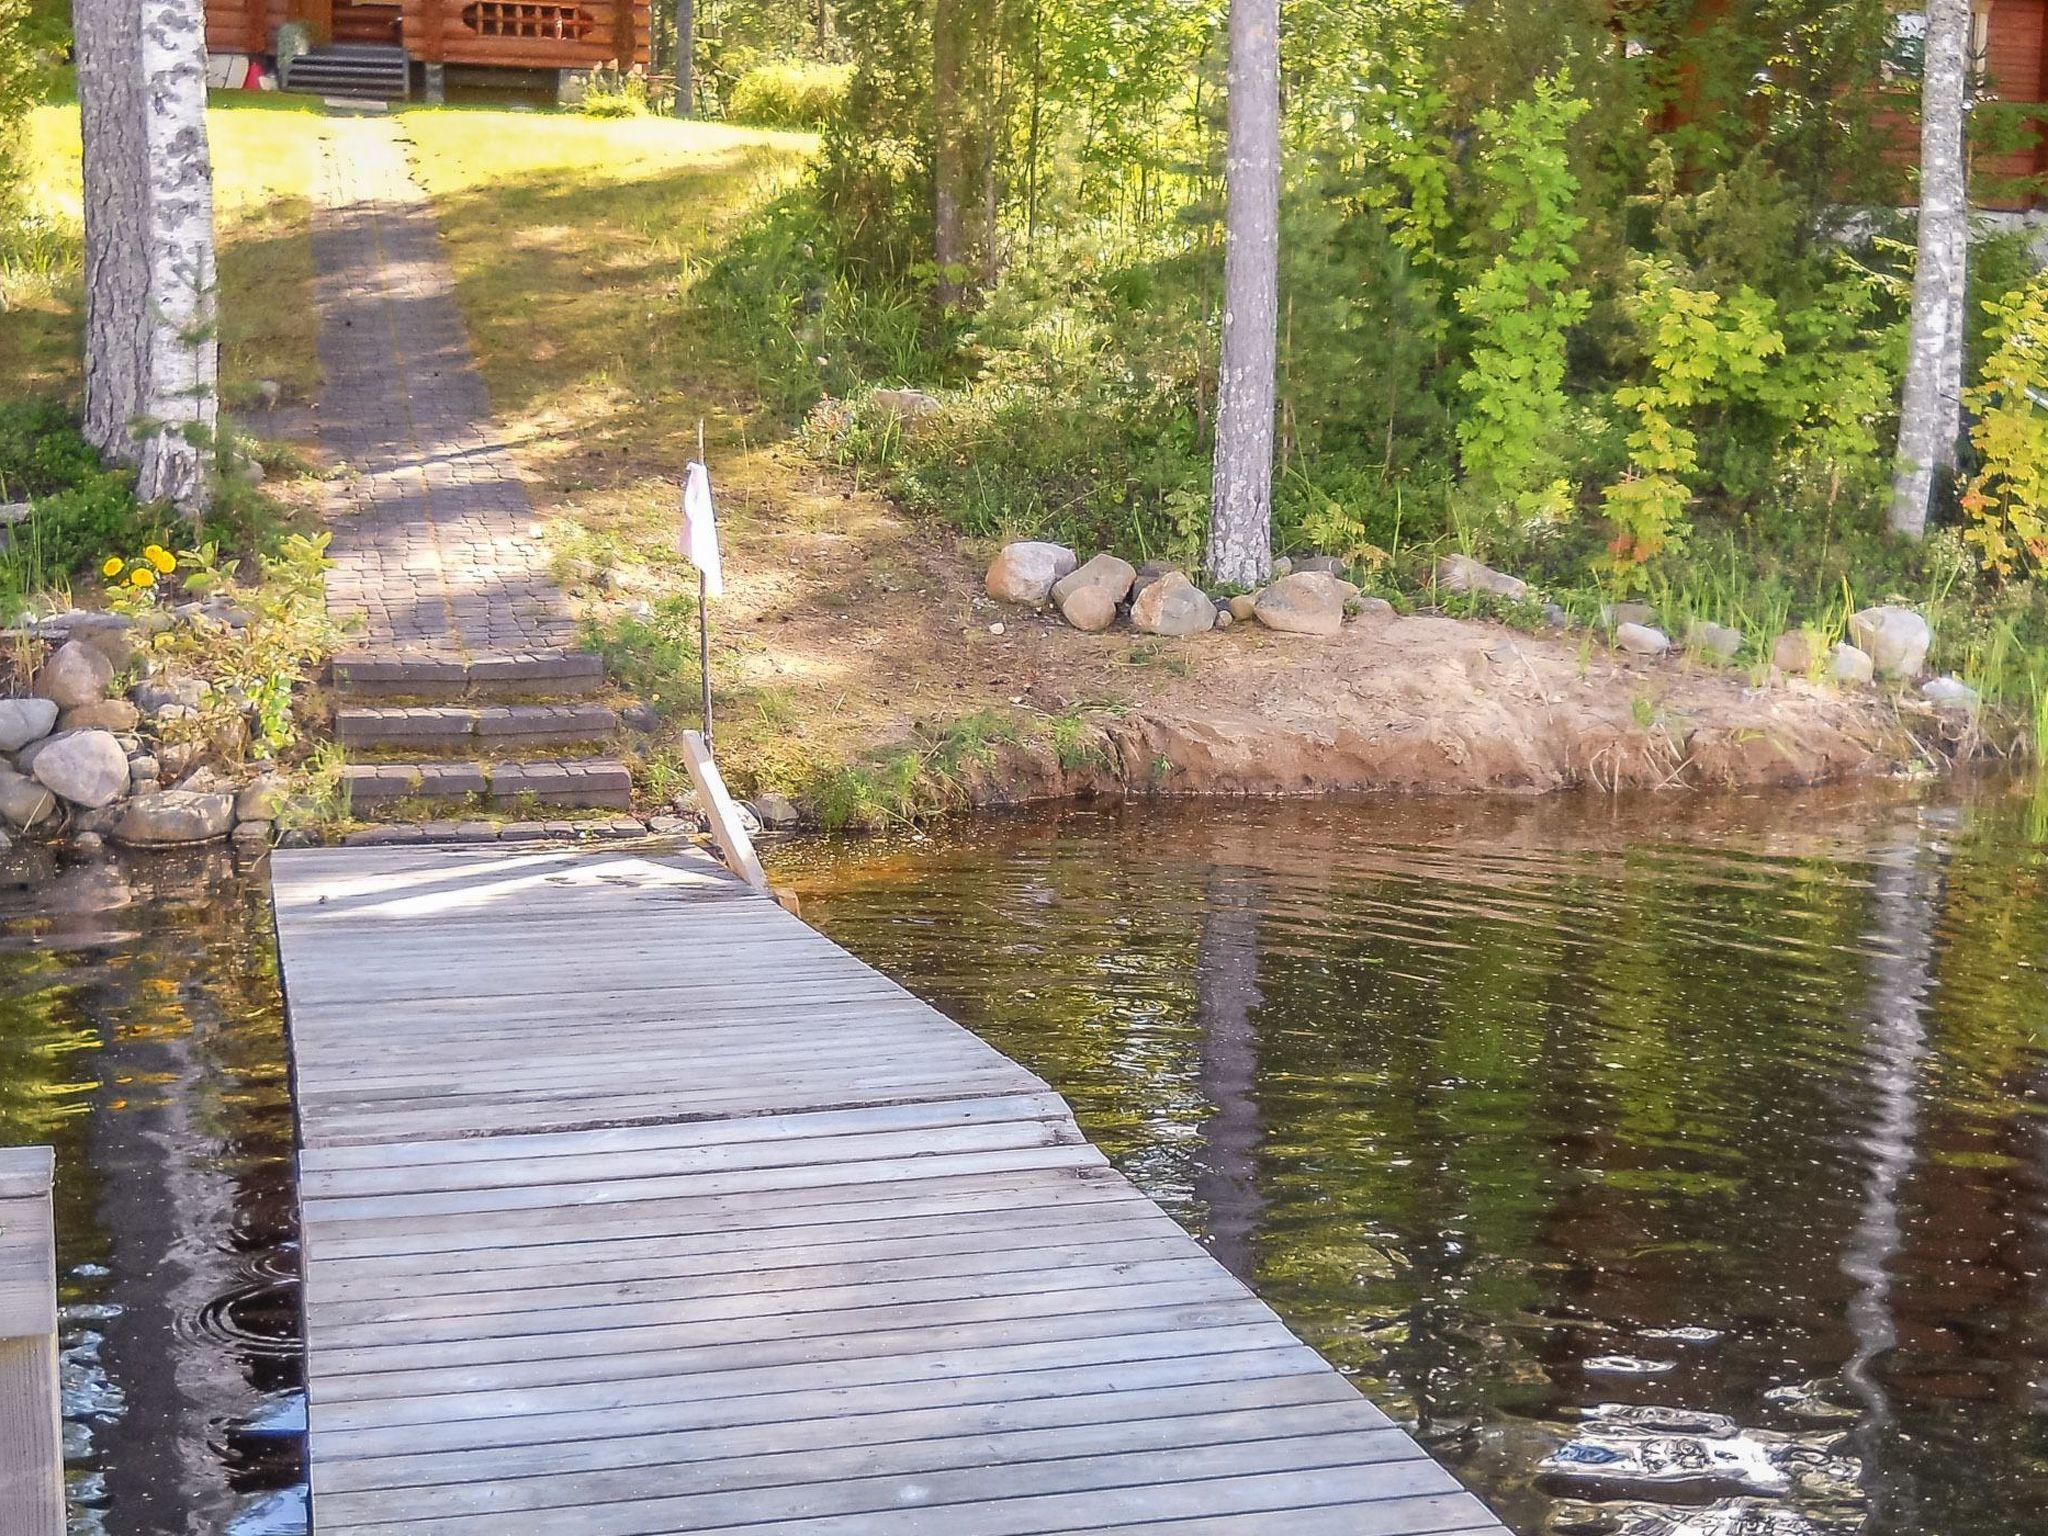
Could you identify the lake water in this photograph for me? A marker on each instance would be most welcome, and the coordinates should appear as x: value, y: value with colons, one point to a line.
x: 1675, y: 1168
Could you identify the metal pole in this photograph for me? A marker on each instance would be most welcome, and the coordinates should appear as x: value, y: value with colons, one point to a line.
x: 704, y: 617
x: 704, y: 652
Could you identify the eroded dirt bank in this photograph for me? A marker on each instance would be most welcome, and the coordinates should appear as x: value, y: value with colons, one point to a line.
x: 1443, y: 706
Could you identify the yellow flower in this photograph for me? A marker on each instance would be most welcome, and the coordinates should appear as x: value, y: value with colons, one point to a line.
x: 161, y: 558
x: 113, y: 566
x: 142, y: 576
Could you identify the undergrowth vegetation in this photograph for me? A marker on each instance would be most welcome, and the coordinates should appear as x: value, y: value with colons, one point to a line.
x: 1626, y: 320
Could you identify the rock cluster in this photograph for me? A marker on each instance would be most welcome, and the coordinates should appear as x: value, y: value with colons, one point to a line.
x: 1311, y: 598
x: 79, y: 762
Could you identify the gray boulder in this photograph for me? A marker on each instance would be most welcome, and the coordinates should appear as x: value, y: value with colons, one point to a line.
x: 778, y: 813
x: 1949, y: 693
x: 1895, y: 639
x: 158, y: 694
x: 1797, y: 652
x: 1112, y: 575
x: 1714, y: 639
x: 176, y: 816
x: 75, y: 674
x: 1025, y: 572
x: 24, y: 803
x: 902, y: 404
x: 258, y: 800
x: 1329, y: 565
x: 1614, y: 615
x: 1173, y: 605
x: 1847, y: 664
x: 1148, y: 573
x: 1305, y: 603
x: 1089, y: 608
x: 1461, y: 573
x: 87, y: 768
x: 1375, y: 608
x: 1641, y: 640
x: 25, y: 720
x: 111, y: 634
x: 115, y: 715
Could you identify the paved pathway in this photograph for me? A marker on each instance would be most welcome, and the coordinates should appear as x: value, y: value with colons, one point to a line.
x: 434, y: 544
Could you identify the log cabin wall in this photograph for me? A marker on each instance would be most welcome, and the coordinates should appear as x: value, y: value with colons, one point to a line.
x: 2012, y: 42
x: 528, y: 34
x: 521, y: 34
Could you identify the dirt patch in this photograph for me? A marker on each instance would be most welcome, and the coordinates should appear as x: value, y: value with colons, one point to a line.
x: 1441, y: 706
x: 873, y: 626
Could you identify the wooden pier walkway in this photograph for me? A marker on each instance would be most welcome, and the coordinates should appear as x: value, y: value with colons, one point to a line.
x: 632, y: 1205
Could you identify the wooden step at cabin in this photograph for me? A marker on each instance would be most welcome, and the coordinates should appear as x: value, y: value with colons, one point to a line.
x: 398, y: 675
x: 603, y: 783
x: 357, y: 71
x: 459, y: 728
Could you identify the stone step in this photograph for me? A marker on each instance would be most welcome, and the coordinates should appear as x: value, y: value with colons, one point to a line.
x: 398, y: 675
x: 460, y: 728
x: 604, y: 783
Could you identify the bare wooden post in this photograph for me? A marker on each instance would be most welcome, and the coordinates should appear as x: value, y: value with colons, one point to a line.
x: 31, y: 1434
x: 722, y: 813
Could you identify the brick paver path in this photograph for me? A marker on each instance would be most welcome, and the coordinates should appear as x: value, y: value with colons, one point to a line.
x: 434, y: 545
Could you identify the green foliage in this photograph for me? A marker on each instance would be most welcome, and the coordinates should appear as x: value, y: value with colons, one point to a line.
x: 1701, y: 349
x: 1521, y: 305
x: 915, y: 783
x: 789, y: 94
x: 1513, y: 315
x: 41, y: 450
x: 608, y: 93
x: 2007, y: 501
x: 655, y: 657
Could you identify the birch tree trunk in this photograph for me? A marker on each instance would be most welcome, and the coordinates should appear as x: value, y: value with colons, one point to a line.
x: 1241, y: 505
x: 152, y: 349
x: 1930, y: 406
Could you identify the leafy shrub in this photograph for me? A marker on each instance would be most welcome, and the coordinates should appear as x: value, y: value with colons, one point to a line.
x: 792, y: 95
x: 41, y: 450
x: 609, y: 94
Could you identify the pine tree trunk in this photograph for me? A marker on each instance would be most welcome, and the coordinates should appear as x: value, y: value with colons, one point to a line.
x: 1241, y: 504
x: 1930, y: 406
x: 152, y: 350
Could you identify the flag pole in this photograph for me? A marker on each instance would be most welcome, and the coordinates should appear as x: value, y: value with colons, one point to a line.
x: 704, y: 623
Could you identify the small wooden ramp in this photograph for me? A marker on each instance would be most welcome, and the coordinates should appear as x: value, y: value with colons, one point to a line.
x: 631, y: 1205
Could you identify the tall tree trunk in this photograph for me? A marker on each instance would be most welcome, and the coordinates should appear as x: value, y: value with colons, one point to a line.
x: 1930, y: 406
x: 965, y: 50
x: 152, y: 353
x: 686, y: 58
x: 1241, y: 506
x: 951, y: 152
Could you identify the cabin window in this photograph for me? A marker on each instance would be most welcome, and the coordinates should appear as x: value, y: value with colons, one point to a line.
x: 515, y: 18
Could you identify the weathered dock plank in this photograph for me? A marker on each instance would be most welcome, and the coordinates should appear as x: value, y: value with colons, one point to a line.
x: 632, y: 1206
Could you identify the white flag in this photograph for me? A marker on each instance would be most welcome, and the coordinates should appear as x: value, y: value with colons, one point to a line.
x: 699, y: 543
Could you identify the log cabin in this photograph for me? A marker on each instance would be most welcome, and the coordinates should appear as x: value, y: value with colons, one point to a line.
x: 404, y: 48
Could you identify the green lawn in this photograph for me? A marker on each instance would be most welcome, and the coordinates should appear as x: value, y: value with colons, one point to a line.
x: 266, y: 157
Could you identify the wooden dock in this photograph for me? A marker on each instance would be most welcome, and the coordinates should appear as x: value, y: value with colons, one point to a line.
x: 632, y: 1205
